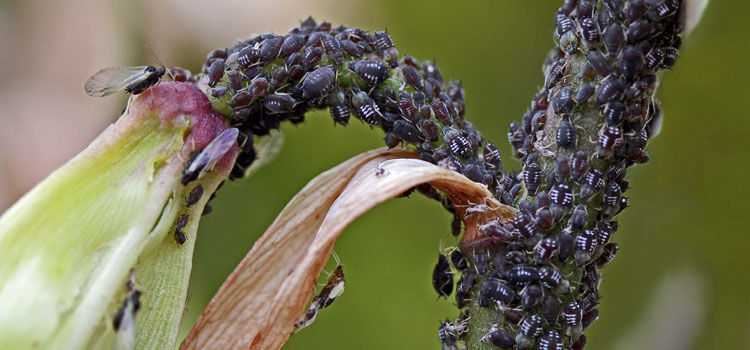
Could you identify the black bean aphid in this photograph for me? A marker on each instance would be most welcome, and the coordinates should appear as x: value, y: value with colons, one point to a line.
x: 278, y: 103
x: 566, y: 134
x: 270, y: 48
x: 411, y: 76
x: 132, y: 80
x: 181, y: 222
x: 531, y: 326
x: 215, y: 72
x: 631, y: 62
x: 372, y: 72
x: 572, y: 314
x: 584, y: 246
x: 318, y: 83
x: 551, y: 340
x: 531, y: 296
x: 499, y: 337
x: 584, y: 94
x: 609, y: 251
x: 442, y: 278
x: 463, y: 288
x: 459, y: 260
x: 579, y: 163
x: 561, y: 197
x: 600, y: 64
x: 613, y: 38
x: 195, y: 195
x: 407, y: 109
x: 333, y: 49
x: 578, y: 218
x: 532, y: 177
x: 340, y: 114
x: 637, y: 30
x: 609, y: 137
x: 545, y: 249
x: 330, y: 292
x: 522, y: 275
x: 496, y: 291
x: 205, y: 160
x: 590, y: 31
x: 441, y: 112
x: 592, y: 184
x: 563, y: 101
x: 611, y: 90
x: 550, y: 277
x: 551, y: 308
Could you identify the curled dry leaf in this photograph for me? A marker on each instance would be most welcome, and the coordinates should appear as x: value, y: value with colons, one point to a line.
x: 259, y: 303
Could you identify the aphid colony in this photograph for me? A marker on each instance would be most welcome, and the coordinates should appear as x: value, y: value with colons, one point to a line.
x: 268, y: 79
x: 540, y: 272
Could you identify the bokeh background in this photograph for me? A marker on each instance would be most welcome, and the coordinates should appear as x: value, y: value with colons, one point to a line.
x: 680, y: 281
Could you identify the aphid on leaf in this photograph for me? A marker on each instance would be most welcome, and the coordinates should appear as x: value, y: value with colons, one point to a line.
x: 531, y: 326
x: 332, y: 290
x: 206, y: 159
x: 442, y: 278
x: 531, y: 296
x: 566, y: 134
x: 318, y: 83
x: 195, y: 195
x: 551, y: 341
x: 495, y: 291
x: 372, y: 72
x: 499, y: 337
x: 464, y: 286
x: 278, y: 103
x: 132, y: 80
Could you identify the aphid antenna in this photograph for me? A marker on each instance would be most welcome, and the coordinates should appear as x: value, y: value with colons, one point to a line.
x: 169, y: 71
x: 336, y: 257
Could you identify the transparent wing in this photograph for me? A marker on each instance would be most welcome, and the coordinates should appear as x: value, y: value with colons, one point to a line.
x: 266, y: 150
x: 113, y: 79
x: 205, y: 161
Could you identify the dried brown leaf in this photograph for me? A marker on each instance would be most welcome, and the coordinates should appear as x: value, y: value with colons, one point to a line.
x: 259, y: 303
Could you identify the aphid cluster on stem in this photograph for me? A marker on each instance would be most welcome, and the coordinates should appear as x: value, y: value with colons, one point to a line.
x: 591, y: 121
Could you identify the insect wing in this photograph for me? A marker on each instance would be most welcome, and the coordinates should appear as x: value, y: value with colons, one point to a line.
x: 206, y: 159
x: 113, y: 79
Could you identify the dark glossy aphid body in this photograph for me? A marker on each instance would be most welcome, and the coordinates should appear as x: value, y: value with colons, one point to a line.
x: 278, y: 103
x: 318, y: 83
x: 614, y: 37
x: 441, y: 112
x: 532, y: 177
x: 631, y: 62
x: 442, y: 278
x: 563, y: 102
x: 496, y: 291
x: 464, y: 287
x: 457, y: 143
x: 366, y: 109
x: 407, y: 109
x: 552, y: 278
x: 551, y: 308
x: 524, y: 225
x: 592, y: 184
x: 270, y: 48
x: 311, y: 56
x: 551, y: 340
x: 566, y: 134
x: 195, y: 195
x: 609, y: 251
x: 572, y: 314
x: 579, y: 217
x: 179, y: 236
x: 561, y: 197
x: 372, y: 72
x: 522, y: 275
x: 333, y: 49
x: 590, y: 31
x: 609, y: 137
x: 215, y: 72
x: 637, y: 30
x: 579, y: 163
x: 600, y: 64
x: 545, y: 249
x: 340, y: 114
x: 584, y: 94
x: 499, y: 337
x: 412, y: 77
x: 585, y: 243
x: 531, y: 296
x: 531, y: 326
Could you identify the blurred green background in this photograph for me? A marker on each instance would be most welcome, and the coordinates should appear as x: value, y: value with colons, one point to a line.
x: 681, y: 278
